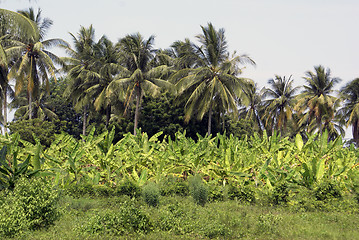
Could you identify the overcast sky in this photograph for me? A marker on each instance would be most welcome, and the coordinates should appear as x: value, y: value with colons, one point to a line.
x: 284, y: 37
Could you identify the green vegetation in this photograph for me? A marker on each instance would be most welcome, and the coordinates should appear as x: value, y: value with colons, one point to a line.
x: 215, y: 187
x: 269, y: 164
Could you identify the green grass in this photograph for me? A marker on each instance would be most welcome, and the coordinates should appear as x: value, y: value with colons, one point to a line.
x: 180, y: 218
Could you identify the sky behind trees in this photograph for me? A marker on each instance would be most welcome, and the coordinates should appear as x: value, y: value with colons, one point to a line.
x: 283, y: 37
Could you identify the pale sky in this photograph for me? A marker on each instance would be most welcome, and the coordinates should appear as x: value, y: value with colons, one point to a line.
x: 284, y: 37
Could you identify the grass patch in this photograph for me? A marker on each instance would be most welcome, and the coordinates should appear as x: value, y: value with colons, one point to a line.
x: 179, y: 217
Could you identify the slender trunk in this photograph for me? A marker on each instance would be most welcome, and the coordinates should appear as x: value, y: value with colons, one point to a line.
x: 223, y: 123
x: 108, y: 114
x: 209, y: 120
x: 84, y: 121
x: 30, y: 105
x: 138, y: 99
x: 5, y: 111
x: 355, y: 131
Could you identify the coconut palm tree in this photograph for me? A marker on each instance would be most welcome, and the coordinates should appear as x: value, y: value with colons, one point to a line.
x: 35, y: 62
x: 106, y: 64
x: 350, y: 109
x: 40, y: 106
x: 279, y: 105
x: 137, y: 77
x: 13, y: 26
x: 316, y: 103
x: 212, y: 78
x: 251, y: 105
x: 79, y: 66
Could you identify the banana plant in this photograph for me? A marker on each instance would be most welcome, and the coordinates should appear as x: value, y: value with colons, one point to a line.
x: 11, y: 166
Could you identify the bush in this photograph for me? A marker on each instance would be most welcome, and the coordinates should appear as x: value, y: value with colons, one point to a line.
x: 44, y: 130
x: 102, y: 191
x: 198, y: 190
x: 129, y: 188
x: 241, y: 193
x: 129, y: 219
x: 31, y: 205
x: 327, y: 190
x: 174, y: 185
x: 151, y: 194
x: 79, y: 190
x: 280, y: 194
x: 215, y: 193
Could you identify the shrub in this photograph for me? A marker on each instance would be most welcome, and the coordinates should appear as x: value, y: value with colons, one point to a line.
x: 198, y: 190
x: 327, y: 190
x: 241, y: 193
x: 129, y: 188
x: 174, y: 185
x: 151, y: 194
x: 280, y: 194
x: 129, y: 219
x: 102, y: 191
x: 79, y: 190
x: 31, y: 205
x: 215, y: 193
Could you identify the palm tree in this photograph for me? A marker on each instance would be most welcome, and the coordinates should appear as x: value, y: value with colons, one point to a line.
x: 106, y: 64
x: 35, y: 62
x: 279, y: 107
x: 315, y: 103
x: 79, y: 67
x: 40, y: 107
x: 251, y: 105
x: 137, y: 76
x: 212, y: 78
x: 13, y: 26
x: 350, y: 109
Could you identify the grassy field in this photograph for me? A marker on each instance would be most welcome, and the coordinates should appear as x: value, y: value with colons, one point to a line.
x: 180, y: 218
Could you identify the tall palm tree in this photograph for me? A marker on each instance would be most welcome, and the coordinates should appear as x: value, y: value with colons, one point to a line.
x: 40, y: 106
x: 137, y: 76
x: 316, y: 103
x: 79, y: 67
x: 279, y: 105
x: 13, y: 26
x: 35, y: 62
x: 251, y: 105
x: 350, y: 109
x: 212, y: 79
x: 106, y: 64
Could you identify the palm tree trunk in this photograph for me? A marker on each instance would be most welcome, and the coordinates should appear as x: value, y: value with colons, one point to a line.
x: 209, y: 120
x: 84, y: 121
x: 30, y: 105
x: 355, y: 131
x: 5, y: 111
x: 138, y: 99
x: 108, y: 114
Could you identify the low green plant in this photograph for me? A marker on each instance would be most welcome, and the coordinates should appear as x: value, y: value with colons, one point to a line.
x: 280, y: 194
x: 79, y: 190
x: 129, y: 188
x: 32, y: 204
x: 151, y: 194
x: 268, y: 223
x: 198, y: 190
x: 327, y: 190
x: 241, y: 193
x: 127, y: 219
x: 103, y: 191
x: 216, y: 193
x: 172, y: 185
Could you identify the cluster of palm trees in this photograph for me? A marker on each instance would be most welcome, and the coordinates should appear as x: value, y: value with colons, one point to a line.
x: 111, y: 78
